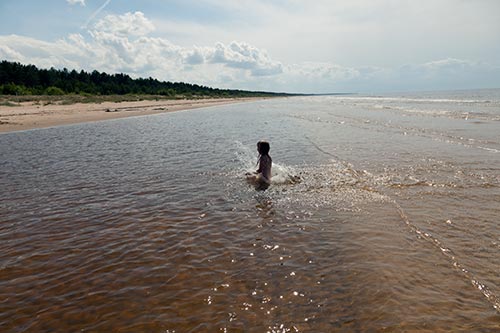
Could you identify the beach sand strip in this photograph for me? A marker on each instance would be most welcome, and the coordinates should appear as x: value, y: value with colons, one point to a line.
x: 30, y: 115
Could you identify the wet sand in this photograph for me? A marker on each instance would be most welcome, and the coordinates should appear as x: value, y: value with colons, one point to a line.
x: 30, y: 115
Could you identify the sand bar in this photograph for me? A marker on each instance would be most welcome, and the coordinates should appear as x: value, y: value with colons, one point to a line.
x: 30, y: 115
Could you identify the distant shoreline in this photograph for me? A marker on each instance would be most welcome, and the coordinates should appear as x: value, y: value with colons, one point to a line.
x: 42, y: 112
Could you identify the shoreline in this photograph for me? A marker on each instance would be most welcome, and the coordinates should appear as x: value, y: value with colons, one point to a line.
x: 32, y: 115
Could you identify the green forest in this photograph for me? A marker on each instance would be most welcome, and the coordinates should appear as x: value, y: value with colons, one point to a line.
x: 18, y: 79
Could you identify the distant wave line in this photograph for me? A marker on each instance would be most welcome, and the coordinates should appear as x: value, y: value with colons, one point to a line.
x: 407, y: 99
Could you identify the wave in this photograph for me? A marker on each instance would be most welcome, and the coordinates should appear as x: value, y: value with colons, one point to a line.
x: 455, y: 114
x: 414, y: 100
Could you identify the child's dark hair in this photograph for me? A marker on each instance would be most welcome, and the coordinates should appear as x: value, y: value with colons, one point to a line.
x: 263, y: 147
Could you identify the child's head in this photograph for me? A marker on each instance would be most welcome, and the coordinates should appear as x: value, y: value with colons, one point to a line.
x: 263, y: 147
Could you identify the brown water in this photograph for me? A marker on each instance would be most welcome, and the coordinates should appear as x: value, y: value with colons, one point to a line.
x: 147, y: 224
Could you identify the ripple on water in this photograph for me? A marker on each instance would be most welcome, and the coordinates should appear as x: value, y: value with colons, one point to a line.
x: 146, y: 240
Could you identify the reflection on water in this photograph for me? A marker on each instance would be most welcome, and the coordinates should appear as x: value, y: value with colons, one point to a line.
x: 382, y: 216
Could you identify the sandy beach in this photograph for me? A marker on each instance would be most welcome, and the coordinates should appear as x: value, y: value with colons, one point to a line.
x: 30, y: 115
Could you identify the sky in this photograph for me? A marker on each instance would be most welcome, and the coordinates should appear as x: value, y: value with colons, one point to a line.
x: 315, y: 46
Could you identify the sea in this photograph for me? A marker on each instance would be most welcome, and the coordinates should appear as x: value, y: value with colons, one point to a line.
x: 383, y: 216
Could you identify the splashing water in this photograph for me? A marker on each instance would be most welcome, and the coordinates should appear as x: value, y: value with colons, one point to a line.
x: 281, y: 174
x: 392, y: 226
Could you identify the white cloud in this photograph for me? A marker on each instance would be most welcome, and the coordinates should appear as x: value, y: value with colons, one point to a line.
x: 7, y: 52
x: 122, y: 43
x: 315, y: 70
x: 384, y: 33
x: 74, y: 2
x: 135, y: 24
x: 449, y: 73
x: 244, y: 56
x: 196, y: 56
x: 449, y: 65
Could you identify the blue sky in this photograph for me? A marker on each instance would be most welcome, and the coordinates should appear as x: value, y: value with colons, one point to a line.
x: 316, y: 46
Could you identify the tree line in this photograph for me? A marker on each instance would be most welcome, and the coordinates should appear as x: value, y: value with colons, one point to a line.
x: 19, y: 79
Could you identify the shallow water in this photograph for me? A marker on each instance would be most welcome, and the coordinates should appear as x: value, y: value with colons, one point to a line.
x: 147, y: 223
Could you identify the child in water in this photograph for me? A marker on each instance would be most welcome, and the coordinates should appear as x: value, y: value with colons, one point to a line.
x: 262, y: 177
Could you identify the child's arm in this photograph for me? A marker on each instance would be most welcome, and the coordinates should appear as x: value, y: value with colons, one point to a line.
x: 261, y: 167
x: 259, y: 170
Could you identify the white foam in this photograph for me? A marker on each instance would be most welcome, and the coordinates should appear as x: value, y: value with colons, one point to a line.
x: 280, y: 174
